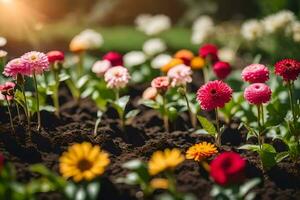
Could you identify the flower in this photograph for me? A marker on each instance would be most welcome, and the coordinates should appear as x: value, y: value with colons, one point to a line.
x: 15, y: 67
x: 3, y: 54
x: 149, y: 94
x: 289, y: 69
x: 134, y: 58
x: 257, y: 93
x: 209, y: 51
x: 86, y: 40
x: 180, y: 75
x: 173, y: 62
x: 7, y: 90
x: 3, y: 41
x: 295, y: 28
x: 83, y: 162
x: 164, y: 160
x: 202, y: 29
x: 159, y: 183
x: 161, y: 84
x: 117, y: 77
x: 36, y: 61
x: 197, y: 63
x: 160, y: 60
x: 203, y: 22
x: 227, y: 54
x: 214, y: 94
x: 152, y: 25
x: 252, y: 30
x: 278, y: 21
x: 222, y: 69
x: 228, y: 168
x: 1, y: 162
x: 114, y: 58
x: 255, y: 73
x: 55, y: 56
x: 100, y: 67
x: 185, y: 55
x: 154, y: 46
x: 201, y: 151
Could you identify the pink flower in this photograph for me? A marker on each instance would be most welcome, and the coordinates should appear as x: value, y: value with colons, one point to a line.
x: 150, y: 93
x: 222, y: 69
x: 55, y: 56
x: 117, y: 77
x: 180, y: 75
x: 257, y: 93
x: 214, y: 94
x: 114, y: 58
x: 7, y: 90
x: 161, y: 84
x: 255, y: 73
x: 37, y: 62
x: 100, y: 67
x: 15, y: 67
x: 289, y: 69
x: 209, y: 51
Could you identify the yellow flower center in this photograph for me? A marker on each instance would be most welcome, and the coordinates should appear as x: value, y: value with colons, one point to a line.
x: 84, y: 165
x: 33, y: 57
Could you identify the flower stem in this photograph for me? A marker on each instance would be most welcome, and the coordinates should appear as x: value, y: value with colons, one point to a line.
x: 291, y: 97
x: 259, y: 125
x: 165, y: 115
x: 55, y: 95
x: 205, y: 74
x: 218, y: 138
x: 27, y: 113
x: 80, y: 64
x: 18, y: 111
x: 37, y: 102
x: 9, y: 113
x: 192, y: 116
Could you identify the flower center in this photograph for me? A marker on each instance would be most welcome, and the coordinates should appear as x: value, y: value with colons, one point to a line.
x: 257, y: 87
x: 84, y: 165
x: 288, y: 65
x: 213, y: 91
x: 33, y: 57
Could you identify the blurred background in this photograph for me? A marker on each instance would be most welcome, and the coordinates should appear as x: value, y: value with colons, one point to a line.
x: 51, y: 24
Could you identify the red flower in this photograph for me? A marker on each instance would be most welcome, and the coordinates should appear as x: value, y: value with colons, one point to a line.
x: 1, y: 162
x: 228, y: 168
x: 209, y: 51
x: 214, y: 94
x: 289, y: 69
x: 7, y: 89
x: 161, y: 83
x: 222, y: 69
x: 255, y: 73
x: 55, y: 56
x: 257, y: 93
x: 115, y: 58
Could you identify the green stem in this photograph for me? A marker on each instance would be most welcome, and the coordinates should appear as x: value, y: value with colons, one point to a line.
x: 80, y: 64
x: 18, y: 111
x: 259, y: 125
x: 291, y: 97
x: 218, y: 139
x: 27, y: 113
x: 96, y: 126
x: 192, y: 116
x: 9, y: 113
x: 37, y: 102
x: 55, y: 95
x: 117, y: 94
x: 205, y: 74
x: 165, y: 115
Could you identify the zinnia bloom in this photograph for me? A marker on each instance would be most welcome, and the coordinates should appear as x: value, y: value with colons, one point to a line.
x: 164, y: 160
x: 37, y: 62
x: 185, y: 55
x: 255, y: 73
x: 15, y: 67
x: 289, y: 69
x: 100, y: 67
x: 209, y: 51
x: 117, y: 77
x: 180, y: 75
x: 150, y: 93
x: 161, y: 84
x: 222, y: 69
x: 257, y: 93
x: 214, y: 94
x: 55, y: 56
x: 83, y: 162
x: 197, y: 63
x: 173, y: 62
x: 201, y: 151
x: 114, y: 58
x: 7, y: 90
x: 228, y: 168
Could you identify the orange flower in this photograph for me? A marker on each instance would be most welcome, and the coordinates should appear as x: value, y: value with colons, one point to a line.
x: 171, y: 64
x: 197, y: 63
x: 159, y: 183
x: 185, y: 55
x: 200, y: 151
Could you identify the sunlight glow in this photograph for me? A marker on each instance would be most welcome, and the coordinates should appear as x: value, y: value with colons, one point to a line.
x: 6, y: 2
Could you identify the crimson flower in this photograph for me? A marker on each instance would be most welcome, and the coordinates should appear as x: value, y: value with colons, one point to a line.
x: 255, y: 73
x: 55, y: 56
x: 214, y: 94
x: 228, y: 168
x: 258, y: 93
x: 289, y: 69
x: 222, y: 69
x: 7, y: 89
x: 114, y: 58
x: 209, y: 51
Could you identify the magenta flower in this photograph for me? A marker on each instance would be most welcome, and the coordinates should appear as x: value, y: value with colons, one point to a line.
x: 55, y: 56
x: 222, y: 69
x: 209, y: 51
x: 15, y: 67
x: 255, y: 73
x: 7, y: 90
x: 257, y: 93
x: 214, y: 94
x: 114, y: 58
x: 289, y: 69
x: 180, y: 75
x: 117, y: 77
x: 161, y: 84
x: 38, y: 62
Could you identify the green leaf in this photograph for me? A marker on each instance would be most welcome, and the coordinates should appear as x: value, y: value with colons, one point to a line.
x: 281, y: 156
x: 63, y: 77
x: 122, y: 102
x: 150, y: 103
x: 93, y: 190
x: 251, y: 147
x: 207, y: 125
x: 132, y: 114
x: 82, y: 81
x: 249, y: 185
x: 133, y: 164
x: 267, y: 155
x: 172, y: 113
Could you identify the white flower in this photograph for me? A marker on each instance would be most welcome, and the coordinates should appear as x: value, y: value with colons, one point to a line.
x: 278, y: 21
x: 203, y: 22
x: 252, y: 29
x: 199, y: 37
x: 86, y: 40
x: 117, y: 77
x: 154, y: 46
x: 226, y: 54
x: 3, y: 41
x: 100, y: 67
x: 134, y: 58
x: 3, y: 54
x: 160, y: 60
x: 152, y: 25
x: 180, y: 75
x: 296, y: 31
x: 202, y: 29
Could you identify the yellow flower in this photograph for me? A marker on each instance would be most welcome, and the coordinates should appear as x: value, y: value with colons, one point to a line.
x: 171, y: 64
x: 164, y: 160
x: 159, y: 183
x: 83, y: 162
x: 197, y: 63
x: 201, y: 151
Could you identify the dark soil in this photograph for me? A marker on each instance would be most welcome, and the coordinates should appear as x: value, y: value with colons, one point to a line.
x: 144, y: 136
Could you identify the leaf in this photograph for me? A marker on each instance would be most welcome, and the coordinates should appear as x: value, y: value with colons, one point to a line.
x: 267, y: 155
x: 82, y: 81
x: 246, y: 187
x: 63, y: 77
x: 251, y: 147
x: 150, y: 103
x: 281, y: 156
x: 80, y: 194
x: 132, y: 114
x: 133, y: 164
x: 172, y: 113
x: 122, y: 102
x: 93, y: 190
x: 207, y: 125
